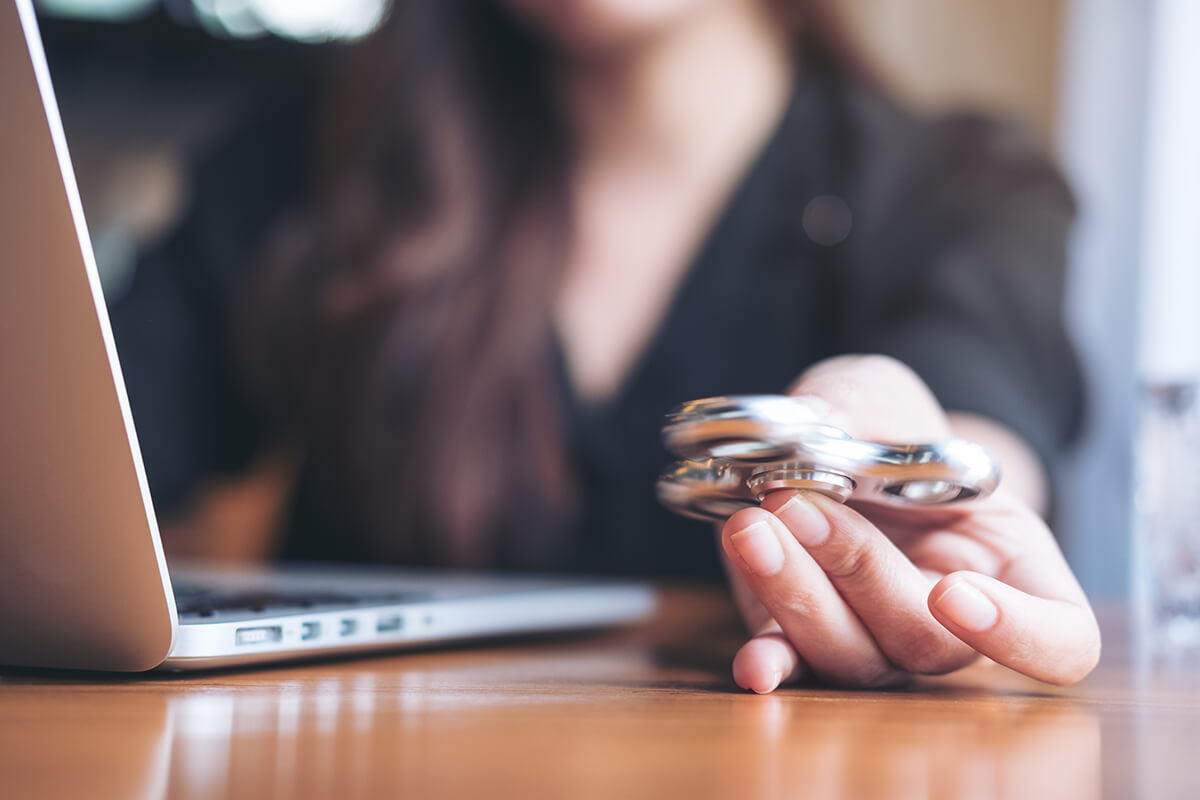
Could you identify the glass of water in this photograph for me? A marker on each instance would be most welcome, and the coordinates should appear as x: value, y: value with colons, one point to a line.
x: 1167, y: 546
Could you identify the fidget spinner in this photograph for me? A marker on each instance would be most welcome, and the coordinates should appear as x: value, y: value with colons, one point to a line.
x: 736, y: 449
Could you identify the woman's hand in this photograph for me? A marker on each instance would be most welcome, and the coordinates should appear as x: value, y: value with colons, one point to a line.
x: 868, y: 595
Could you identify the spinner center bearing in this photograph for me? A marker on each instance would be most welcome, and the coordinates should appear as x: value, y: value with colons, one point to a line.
x: 799, y: 476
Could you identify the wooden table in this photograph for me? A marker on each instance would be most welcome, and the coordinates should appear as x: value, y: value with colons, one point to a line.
x: 648, y: 712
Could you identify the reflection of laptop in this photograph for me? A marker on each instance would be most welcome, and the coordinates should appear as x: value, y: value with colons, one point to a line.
x: 83, y: 581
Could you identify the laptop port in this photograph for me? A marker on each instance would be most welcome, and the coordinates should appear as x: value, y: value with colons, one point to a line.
x: 261, y: 635
x: 349, y: 627
x: 392, y: 624
x: 309, y: 631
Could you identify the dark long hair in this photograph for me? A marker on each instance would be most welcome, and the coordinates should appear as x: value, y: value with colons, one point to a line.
x: 399, y: 319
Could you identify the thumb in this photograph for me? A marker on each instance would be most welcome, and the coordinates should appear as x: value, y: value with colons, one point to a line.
x: 872, y: 397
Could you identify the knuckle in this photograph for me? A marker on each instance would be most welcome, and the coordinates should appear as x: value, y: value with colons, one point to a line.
x: 866, y: 368
x: 851, y: 563
x: 856, y: 385
x: 888, y: 365
x: 794, y: 601
x: 928, y: 652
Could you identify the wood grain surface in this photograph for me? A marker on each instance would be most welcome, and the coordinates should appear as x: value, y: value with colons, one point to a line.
x: 644, y: 712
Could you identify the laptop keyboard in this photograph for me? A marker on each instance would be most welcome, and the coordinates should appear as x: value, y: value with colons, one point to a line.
x: 204, y: 601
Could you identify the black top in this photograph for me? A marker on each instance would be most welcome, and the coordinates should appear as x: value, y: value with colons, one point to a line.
x: 858, y: 229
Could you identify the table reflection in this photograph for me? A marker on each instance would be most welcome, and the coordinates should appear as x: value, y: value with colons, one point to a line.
x: 624, y: 716
x: 932, y: 749
x: 484, y: 729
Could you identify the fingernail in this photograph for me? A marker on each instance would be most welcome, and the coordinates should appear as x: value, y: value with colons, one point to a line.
x: 776, y: 679
x: 968, y: 607
x: 806, y: 522
x: 759, y: 548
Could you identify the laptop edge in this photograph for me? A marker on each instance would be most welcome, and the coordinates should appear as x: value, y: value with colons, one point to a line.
x: 78, y: 540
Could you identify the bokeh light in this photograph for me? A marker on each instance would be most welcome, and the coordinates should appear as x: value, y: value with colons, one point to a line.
x: 312, y: 21
x: 106, y: 10
x: 301, y: 20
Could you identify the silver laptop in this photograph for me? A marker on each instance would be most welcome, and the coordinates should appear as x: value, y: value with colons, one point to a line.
x: 83, y: 580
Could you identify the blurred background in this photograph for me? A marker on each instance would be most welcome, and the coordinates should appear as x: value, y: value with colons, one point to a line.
x: 1103, y: 84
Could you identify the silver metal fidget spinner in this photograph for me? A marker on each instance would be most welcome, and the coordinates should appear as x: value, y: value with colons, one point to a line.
x: 740, y: 447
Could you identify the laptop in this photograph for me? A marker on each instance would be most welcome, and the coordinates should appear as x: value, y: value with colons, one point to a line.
x: 83, y: 580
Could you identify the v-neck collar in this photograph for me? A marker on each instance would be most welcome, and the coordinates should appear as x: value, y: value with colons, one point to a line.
x: 757, y: 184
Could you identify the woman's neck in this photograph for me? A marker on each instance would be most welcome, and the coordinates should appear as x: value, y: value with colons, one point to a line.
x: 664, y: 132
x: 702, y: 93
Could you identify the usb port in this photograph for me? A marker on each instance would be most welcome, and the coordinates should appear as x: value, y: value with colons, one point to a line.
x: 391, y: 624
x: 263, y: 635
x: 349, y: 627
x: 309, y: 631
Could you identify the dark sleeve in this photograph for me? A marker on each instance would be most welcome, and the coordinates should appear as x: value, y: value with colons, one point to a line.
x: 172, y: 326
x: 959, y: 272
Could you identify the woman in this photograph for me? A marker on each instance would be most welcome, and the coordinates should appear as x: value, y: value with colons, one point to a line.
x: 460, y: 288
